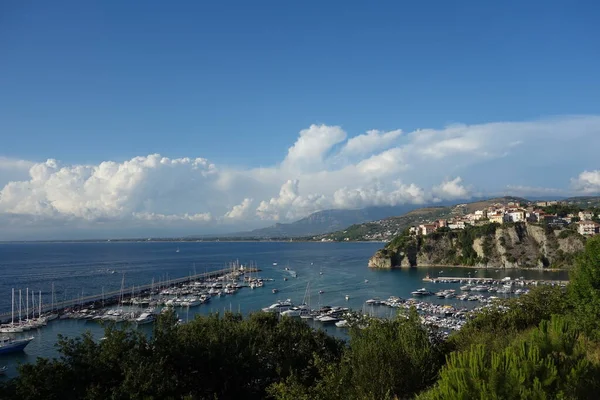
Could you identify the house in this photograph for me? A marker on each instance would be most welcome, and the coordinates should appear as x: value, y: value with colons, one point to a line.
x: 585, y: 215
x: 426, y: 229
x: 413, y: 230
x: 479, y: 214
x: 456, y: 225
x: 516, y: 215
x: 496, y: 217
x: 441, y: 223
x: 588, y: 228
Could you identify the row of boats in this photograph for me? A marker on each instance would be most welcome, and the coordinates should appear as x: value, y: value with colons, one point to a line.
x: 450, y: 293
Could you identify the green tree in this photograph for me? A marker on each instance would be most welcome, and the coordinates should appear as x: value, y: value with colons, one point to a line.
x: 549, y: 363
x: 388, y: 359
x: 584, y: 288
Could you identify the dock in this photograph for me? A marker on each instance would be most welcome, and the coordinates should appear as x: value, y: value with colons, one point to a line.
x: 110, y: 298
x: 489, y: 281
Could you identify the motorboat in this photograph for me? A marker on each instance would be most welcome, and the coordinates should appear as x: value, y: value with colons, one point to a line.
x: 3, y: 370
x: 279, y: 307
x: 9, y: 345
x: 421, y: 292
x: 275, y: 291
x: 147, y: 317
x: 299, y: 311
x: 342, y: 323
x: 327, y: 319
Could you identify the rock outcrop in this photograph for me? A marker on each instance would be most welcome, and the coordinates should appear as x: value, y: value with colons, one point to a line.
x: 509, y: 246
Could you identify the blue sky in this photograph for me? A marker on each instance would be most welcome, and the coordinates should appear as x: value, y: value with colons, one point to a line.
x: 235, y: 82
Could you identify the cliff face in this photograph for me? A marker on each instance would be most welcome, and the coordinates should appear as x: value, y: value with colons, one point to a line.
x: 513, y: 246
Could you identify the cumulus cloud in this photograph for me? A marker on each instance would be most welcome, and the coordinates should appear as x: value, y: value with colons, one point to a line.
x: 309, y: 151
x: 241, y: 210
x: 369, y: 142
x: 289, y: 204
x: 324, y: 168
x: 587, y: 182
x: 379, y: 196
x: 451, y: 189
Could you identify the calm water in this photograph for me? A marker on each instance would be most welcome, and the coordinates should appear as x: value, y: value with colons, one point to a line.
x: 77, y: 268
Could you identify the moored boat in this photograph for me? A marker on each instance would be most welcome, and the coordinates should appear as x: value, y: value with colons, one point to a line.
x: 9, y: 345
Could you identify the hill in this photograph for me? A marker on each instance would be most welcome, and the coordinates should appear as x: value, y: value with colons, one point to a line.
x: 513, y: 245
x: 322, y: 222
x: 387, y: 228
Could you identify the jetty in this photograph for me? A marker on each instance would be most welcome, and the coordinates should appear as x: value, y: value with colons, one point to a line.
x: 493, y: 281
x: 111, y: 298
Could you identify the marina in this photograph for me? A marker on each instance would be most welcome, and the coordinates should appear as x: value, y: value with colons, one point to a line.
x: 337, y: 270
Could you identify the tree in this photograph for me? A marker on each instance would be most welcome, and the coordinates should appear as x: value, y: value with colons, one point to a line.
x: 210, y: 357
x: 388, y: 359
x: 549, y: 363
x: 584, y: 288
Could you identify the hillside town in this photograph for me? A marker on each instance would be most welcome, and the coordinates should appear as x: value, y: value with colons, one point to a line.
x: 579, y: 217
x: 512, y: 212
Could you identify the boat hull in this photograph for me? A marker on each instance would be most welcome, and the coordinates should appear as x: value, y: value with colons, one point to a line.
x: 15, y: 346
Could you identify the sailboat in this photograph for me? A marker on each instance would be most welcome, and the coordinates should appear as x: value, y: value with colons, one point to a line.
x: 12, y: 327
x: 306, y: 312
x: 177, y: 251
x: 53, y: 314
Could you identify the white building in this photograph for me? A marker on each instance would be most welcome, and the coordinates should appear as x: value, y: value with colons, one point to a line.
x: 585, y: 215
x: 516, y: 215
x: 588, y: 228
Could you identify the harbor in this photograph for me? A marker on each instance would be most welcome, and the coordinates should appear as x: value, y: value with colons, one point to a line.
x: 198, y: 289
x: 337, y: 274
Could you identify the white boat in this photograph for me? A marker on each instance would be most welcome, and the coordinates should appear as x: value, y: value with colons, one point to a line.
x: 275, y: 291
x: 299, y: 311
x: 347, y: 297
x: 279, y: 307
x: 421, y: 292
x: 327, y: 319
x: 342, y: 323
x: 146, y: 317
x: 3, y: 370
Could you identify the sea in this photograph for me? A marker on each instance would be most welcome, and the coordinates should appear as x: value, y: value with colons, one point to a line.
x: 332, y: 271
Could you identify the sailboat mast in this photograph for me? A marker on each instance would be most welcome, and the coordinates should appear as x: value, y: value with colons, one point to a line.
x: 40, y: 305
x: 52, y: 297
x: 20, y: 305
x: 12, y: 318
x: 27, y: 304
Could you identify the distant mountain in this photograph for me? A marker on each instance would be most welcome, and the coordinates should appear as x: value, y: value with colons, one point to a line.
x: 325, y: 221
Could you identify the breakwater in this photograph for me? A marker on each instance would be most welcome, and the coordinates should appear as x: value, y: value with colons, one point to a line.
x: 112, y: 297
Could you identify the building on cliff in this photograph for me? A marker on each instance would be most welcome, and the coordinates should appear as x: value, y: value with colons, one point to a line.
x: 588, y: 228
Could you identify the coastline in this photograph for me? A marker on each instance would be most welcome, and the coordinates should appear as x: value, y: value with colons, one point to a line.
x: 477, y: 267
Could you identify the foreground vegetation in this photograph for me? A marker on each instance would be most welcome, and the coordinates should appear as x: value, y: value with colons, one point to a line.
x: 546, y: 345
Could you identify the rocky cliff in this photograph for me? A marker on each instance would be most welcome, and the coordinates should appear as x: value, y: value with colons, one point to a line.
x: 509, y: 246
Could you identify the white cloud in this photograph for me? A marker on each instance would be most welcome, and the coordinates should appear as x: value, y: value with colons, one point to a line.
x: 290, y: 205
x: 451, y: 189
x: 588, y: 182
x: 379, y: 196
x: 310, y: 150
x: 371, y: 141
x: 240, y: 211
x: 521, y: 190
x: 322, y: 169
